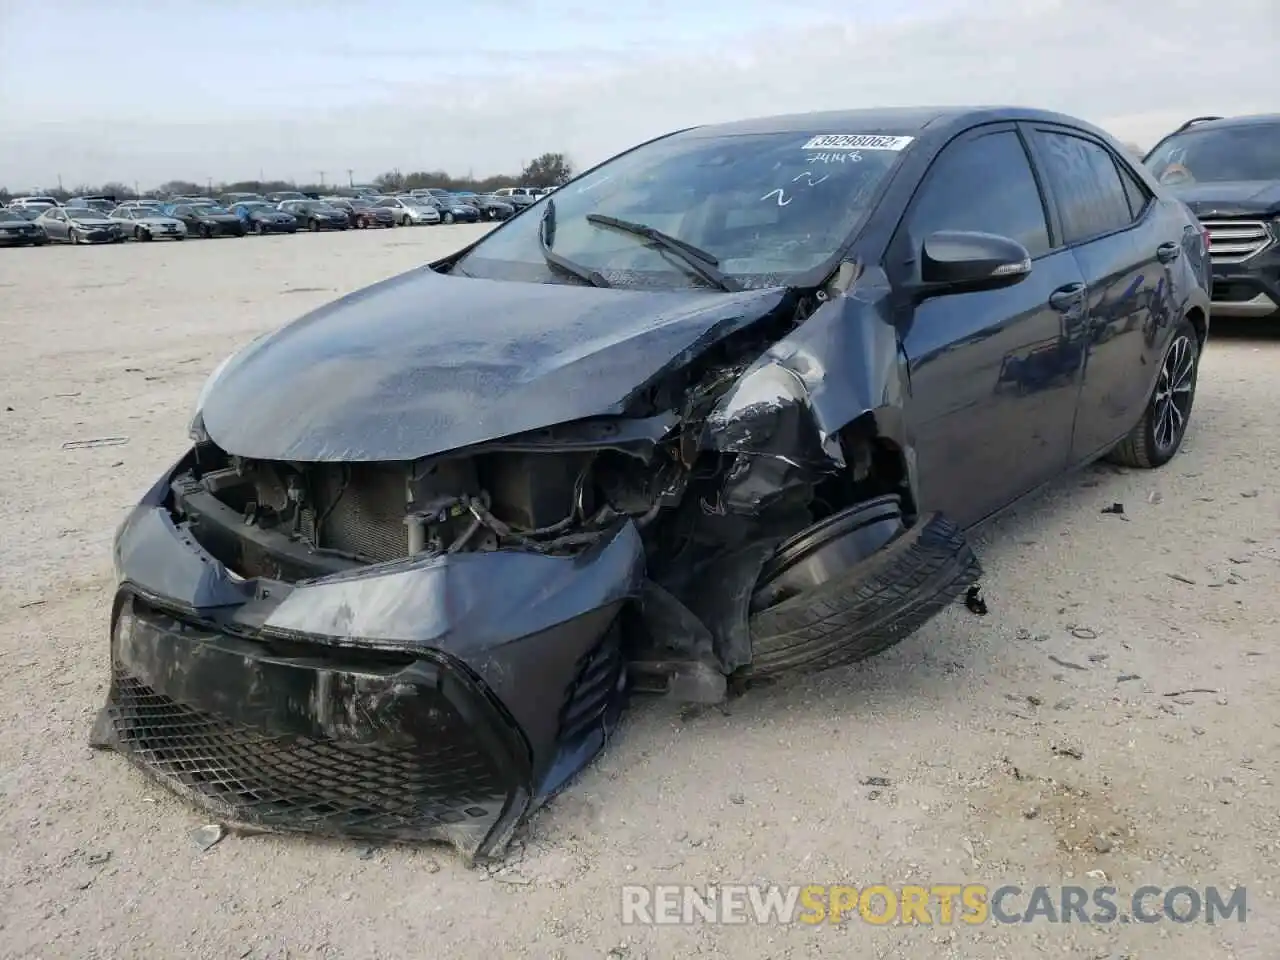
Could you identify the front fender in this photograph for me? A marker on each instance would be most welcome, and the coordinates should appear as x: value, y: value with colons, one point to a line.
x: 783, y: 418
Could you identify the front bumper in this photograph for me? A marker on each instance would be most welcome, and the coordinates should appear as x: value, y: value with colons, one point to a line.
x: 224, y: 228
x: 1249, y: 289
x: 99, y: 235
x: 437, y: 699
x: 20, y: 237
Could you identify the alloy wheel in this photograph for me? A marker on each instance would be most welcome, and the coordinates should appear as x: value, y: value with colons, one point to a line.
x: 1174, y: 393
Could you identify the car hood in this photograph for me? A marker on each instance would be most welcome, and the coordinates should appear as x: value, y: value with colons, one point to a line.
x: 159, y: 221
x: 423, y: 363
x: 1236, y: 198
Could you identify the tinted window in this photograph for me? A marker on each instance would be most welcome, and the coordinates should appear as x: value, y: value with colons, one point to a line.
x: 983, y: 184
x: 1134, y: 190
x: 1091, y: 197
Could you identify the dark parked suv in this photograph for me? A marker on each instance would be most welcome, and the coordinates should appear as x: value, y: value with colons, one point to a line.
x: 722, y: 408
x: 1227, y: 169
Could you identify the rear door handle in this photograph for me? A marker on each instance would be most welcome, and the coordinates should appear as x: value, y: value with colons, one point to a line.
x: 1065, y: 298
x: 1168, y: 252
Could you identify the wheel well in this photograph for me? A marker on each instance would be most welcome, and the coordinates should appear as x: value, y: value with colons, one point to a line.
x: 875, y: 465
x: 1200, y: 323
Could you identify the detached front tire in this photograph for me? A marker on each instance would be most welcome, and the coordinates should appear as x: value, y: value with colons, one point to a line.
x: 867, y: 607
x: 1158, y: 435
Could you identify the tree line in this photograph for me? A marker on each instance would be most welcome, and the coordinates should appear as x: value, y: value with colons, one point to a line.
x: 548, y: 170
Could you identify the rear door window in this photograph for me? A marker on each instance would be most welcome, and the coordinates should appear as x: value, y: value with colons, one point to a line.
x: 1134, y: 190
x: 1092, y: 199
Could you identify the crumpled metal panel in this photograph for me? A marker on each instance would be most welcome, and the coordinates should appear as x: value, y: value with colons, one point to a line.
x: 423, y: 363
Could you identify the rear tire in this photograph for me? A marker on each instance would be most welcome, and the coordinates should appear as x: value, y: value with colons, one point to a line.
x: 448, y: 217
x: 1158, y: 435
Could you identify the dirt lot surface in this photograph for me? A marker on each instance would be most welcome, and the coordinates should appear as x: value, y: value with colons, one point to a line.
x: 1039, y: 744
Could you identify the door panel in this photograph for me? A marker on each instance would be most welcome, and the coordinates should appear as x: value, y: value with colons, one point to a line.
x: 1116, y: 247
x: 994, y: 374
x: 1116, y: 377
x: 994, y: 378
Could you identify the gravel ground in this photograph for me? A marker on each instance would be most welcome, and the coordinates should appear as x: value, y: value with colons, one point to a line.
x: 1034, y: 745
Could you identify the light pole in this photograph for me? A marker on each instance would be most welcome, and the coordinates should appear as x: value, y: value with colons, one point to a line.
x: 321, y: 172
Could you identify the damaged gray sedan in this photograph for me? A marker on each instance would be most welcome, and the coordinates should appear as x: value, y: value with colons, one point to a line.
x: 719, y: 409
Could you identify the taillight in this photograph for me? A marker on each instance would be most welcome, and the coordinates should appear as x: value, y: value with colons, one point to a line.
x: 1204, y: 232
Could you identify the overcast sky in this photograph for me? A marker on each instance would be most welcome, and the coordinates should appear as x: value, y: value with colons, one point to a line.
x: 149, y: 90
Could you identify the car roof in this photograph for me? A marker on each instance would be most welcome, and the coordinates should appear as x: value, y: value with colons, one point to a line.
x: 900, y: 121
x: 1250, y: 120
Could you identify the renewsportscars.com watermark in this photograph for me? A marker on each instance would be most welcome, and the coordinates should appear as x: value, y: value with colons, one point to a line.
x: 937, y: 904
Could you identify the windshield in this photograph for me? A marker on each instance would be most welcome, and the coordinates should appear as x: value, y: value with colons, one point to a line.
x: 767, y: 206
x: 8, y: 216
x: 255, y: 205
x: 85, y: 213
x: 1249, y: 152
x: 208, y: 209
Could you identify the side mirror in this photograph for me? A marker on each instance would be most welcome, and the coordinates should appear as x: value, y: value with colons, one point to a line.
x: 962, y: 260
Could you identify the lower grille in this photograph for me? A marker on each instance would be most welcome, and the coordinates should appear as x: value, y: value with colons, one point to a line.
x: 298, y: 783
x: 1231, y: 241
x: 1230, y: 291
x: 599, y: 673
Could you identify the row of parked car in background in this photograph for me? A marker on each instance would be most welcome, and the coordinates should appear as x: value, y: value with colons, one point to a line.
x: 36, y: 220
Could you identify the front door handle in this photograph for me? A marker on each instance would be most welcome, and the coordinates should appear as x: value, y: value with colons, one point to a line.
x: 1168, y: 252
x: 1068, y: 297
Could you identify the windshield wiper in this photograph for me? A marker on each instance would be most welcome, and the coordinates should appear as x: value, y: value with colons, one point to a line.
x: 547, y: 228
x: 701, y: 262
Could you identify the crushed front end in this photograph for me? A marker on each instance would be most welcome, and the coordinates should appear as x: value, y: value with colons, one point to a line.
x: 292, y: 659
x: 344, y: 628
